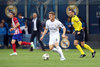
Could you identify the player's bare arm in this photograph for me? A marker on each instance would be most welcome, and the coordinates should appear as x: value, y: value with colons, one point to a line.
x: 15, y: 27
x: 45, y: 31
x: 64, y: 31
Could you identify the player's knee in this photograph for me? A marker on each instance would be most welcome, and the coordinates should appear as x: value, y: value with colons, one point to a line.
x: 50, y: 48
x: 82, y: 44
x: 75, y: 43
x: 19, y: 43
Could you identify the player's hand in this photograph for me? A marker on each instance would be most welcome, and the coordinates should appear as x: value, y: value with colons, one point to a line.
x: 41, y: 38
x: 11, y: 29
x: 63, y: 35
x: 78, y: 32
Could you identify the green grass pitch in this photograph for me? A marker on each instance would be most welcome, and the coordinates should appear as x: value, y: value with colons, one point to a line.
x: 25, y: 58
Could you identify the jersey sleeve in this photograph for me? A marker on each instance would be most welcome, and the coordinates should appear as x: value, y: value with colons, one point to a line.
x: 47, y: 25
x: 15, y: 20
x: 60, y: 24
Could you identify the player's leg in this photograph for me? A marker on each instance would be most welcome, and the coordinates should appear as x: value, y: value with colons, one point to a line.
x: 77, y: 39
x: 79, y: 48
x: 82, y: 40
x: 89, y: 48
x: 51, y: 46
x: 14, y: 47
x: 20, y: 42
x: 59, y: 50
x: 55, y: 42
x: 24, y: 43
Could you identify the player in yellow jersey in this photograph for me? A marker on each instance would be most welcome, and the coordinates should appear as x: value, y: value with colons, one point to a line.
x: 79, y: 34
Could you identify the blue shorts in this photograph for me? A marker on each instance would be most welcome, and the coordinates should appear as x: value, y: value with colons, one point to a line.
x: 17, y: 37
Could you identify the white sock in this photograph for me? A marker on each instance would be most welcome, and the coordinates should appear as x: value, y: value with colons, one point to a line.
x: 55, y: 50
x: 59, y: 50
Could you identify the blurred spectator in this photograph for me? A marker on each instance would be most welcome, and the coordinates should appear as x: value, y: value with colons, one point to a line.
x: 4, y: 29
x: 23, y: 24
x: 68, y: 25
x: 83, y: 23
x: 1, y: 25
x: 5, y: 24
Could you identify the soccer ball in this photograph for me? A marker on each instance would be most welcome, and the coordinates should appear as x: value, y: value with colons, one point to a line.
x: 45, y: 56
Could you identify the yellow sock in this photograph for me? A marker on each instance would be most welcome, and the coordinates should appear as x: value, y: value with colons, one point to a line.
x: 89, y: 48
x: 80, y: 49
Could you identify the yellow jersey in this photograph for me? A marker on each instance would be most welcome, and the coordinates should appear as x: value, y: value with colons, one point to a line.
x: 76, y: 23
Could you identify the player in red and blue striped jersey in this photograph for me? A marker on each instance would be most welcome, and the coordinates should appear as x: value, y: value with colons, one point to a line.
x: 17, y: 35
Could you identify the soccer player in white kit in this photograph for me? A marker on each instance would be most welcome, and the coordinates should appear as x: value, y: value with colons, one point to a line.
x: 53, y: 25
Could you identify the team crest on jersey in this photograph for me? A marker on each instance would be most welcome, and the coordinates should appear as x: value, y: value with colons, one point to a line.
x: 55, y: 25
x: 65, y: 42
x: 74, y: 7
x: 10, y: 8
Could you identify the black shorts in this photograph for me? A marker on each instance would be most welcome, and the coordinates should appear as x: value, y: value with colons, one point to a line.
x: 80, y: 37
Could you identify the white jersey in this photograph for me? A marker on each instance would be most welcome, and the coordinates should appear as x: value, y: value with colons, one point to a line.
x: 54, y: 27
x: 54, y: 31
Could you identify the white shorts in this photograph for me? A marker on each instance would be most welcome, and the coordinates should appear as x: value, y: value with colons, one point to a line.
x: 54, y: 39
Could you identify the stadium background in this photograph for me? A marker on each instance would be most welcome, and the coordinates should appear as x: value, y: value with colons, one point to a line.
x: 89, y: 10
